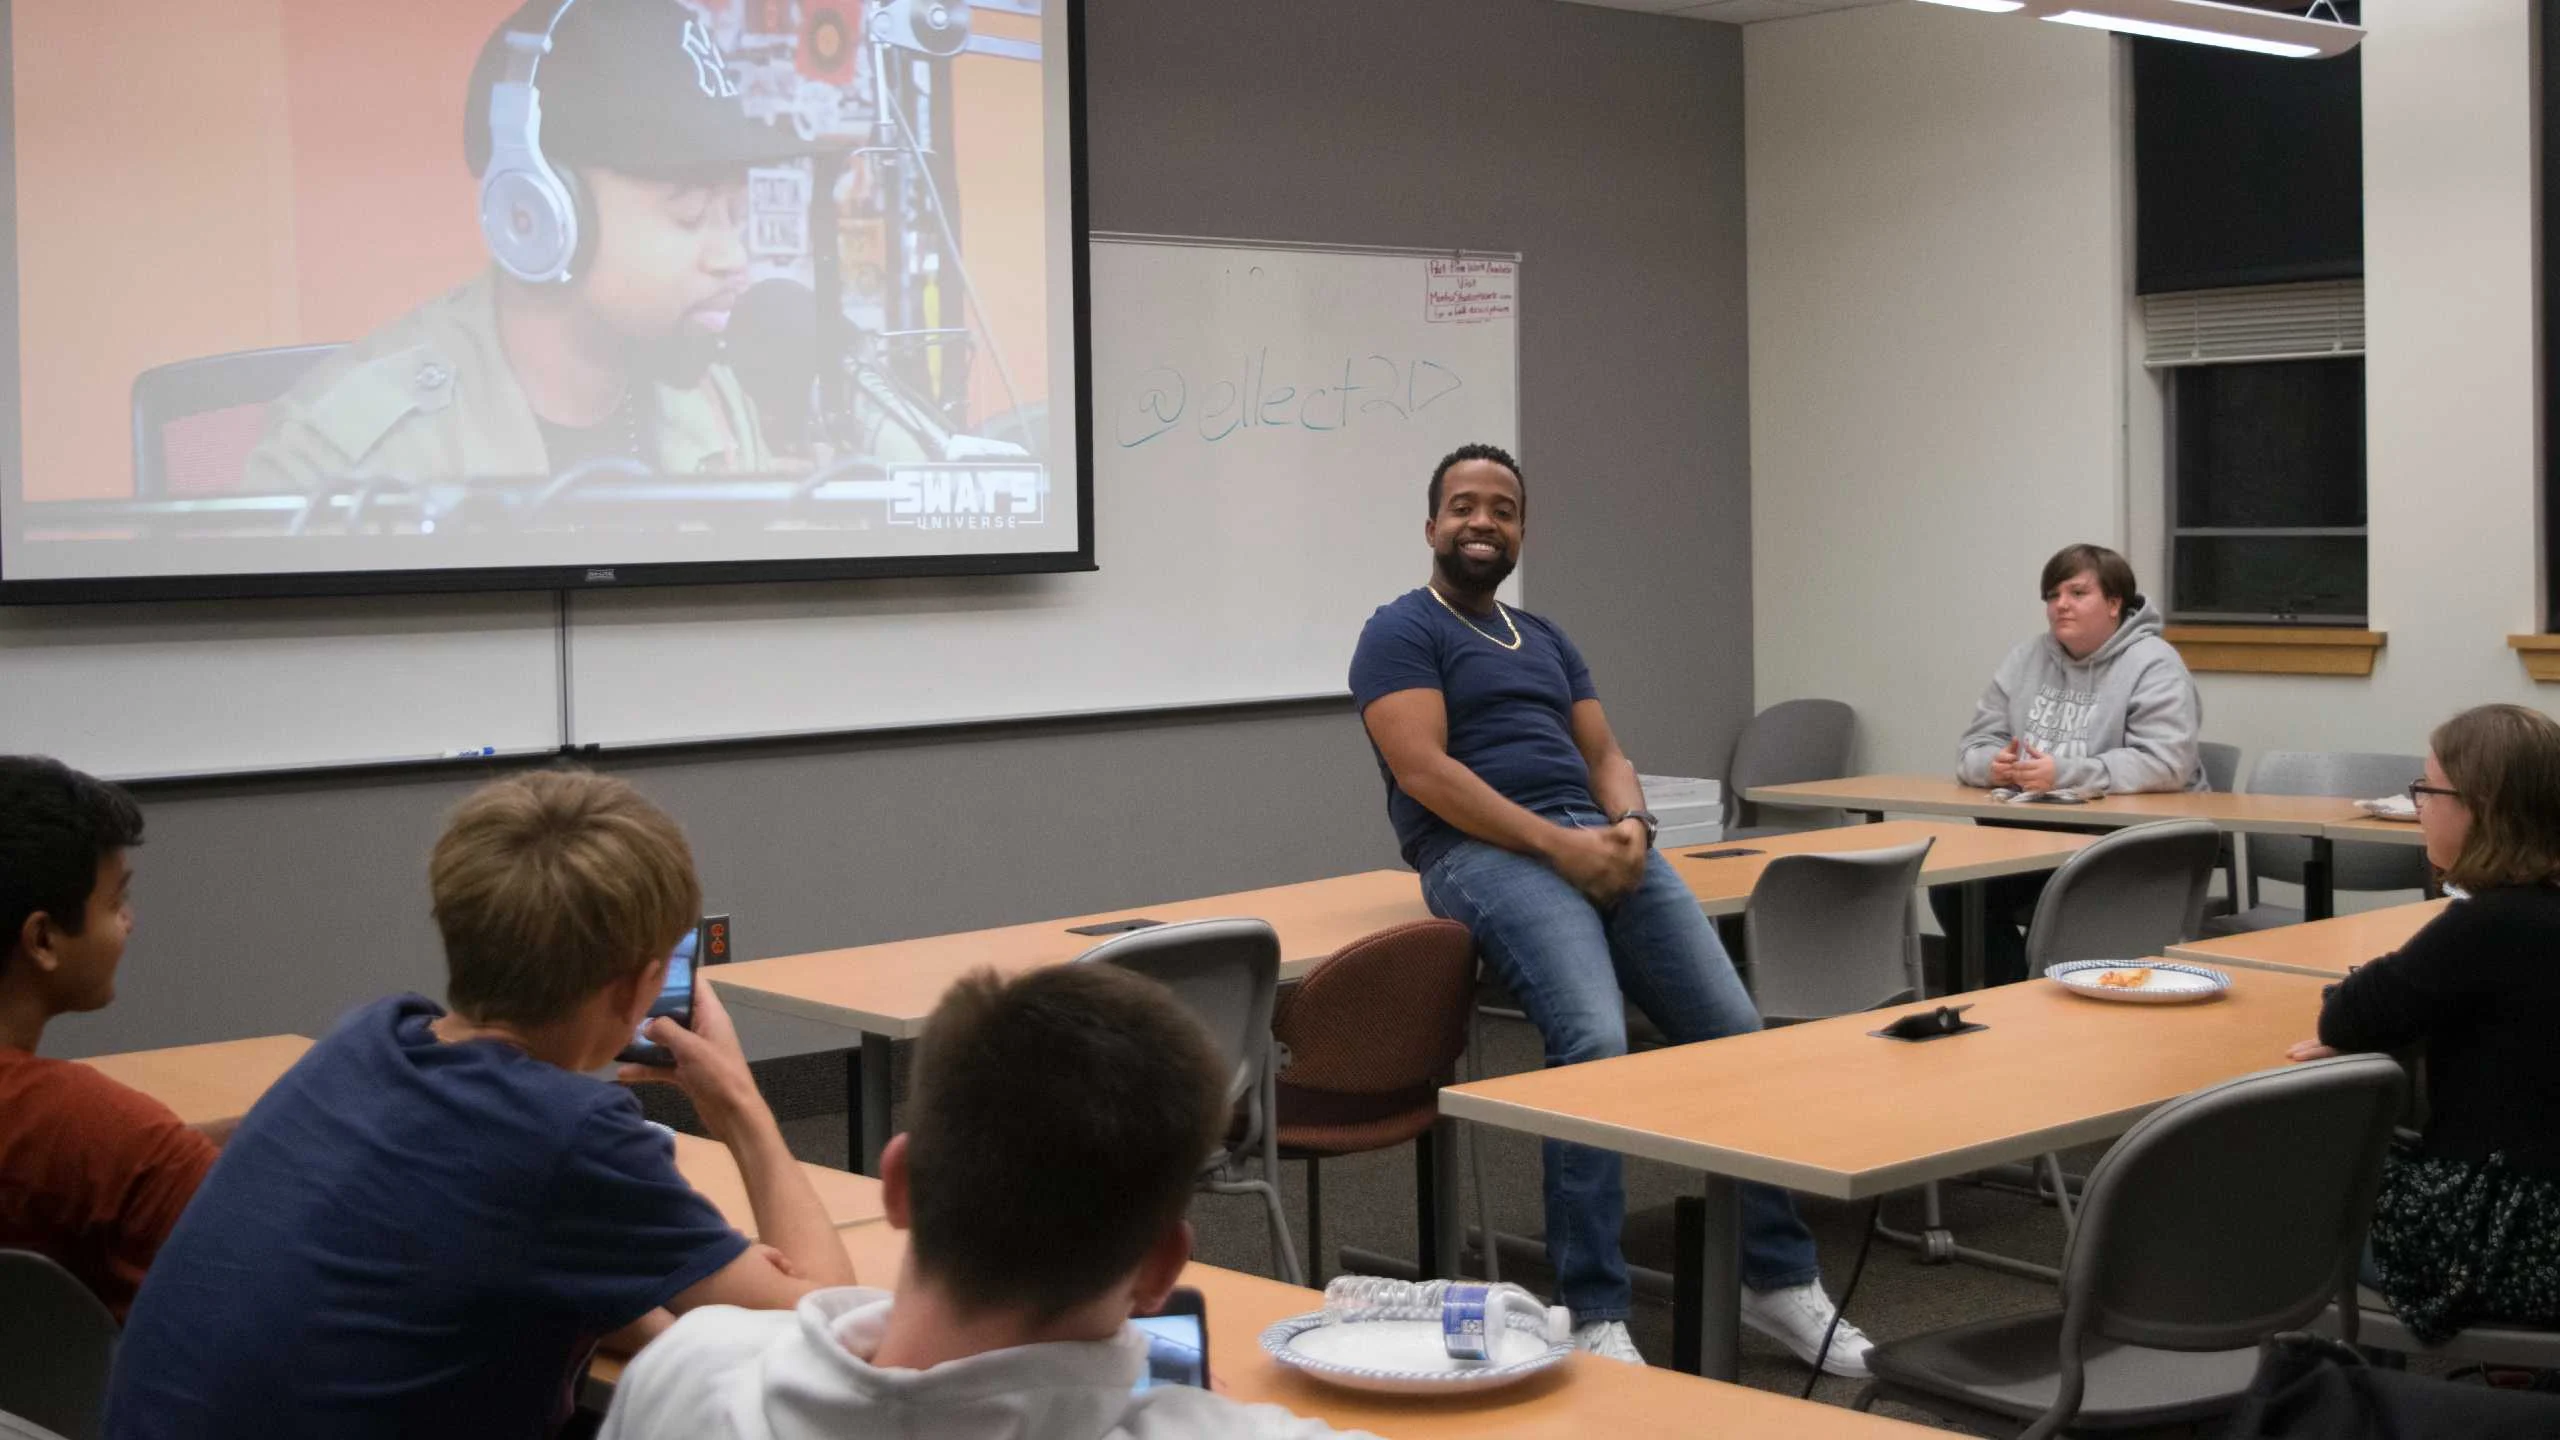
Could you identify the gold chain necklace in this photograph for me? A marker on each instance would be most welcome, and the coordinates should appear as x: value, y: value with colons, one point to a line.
x: 1512, y: 644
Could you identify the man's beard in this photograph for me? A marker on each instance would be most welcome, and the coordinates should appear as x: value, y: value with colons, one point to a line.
x: 1468, y: 575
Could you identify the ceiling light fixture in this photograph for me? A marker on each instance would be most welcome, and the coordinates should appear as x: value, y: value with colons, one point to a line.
x: 2200, y: 22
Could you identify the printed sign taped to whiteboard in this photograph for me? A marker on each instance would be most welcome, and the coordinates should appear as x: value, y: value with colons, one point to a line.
x: 1469, y: 291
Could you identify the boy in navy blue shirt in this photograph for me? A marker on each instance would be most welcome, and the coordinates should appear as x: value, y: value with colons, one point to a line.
x: 431, y: 1220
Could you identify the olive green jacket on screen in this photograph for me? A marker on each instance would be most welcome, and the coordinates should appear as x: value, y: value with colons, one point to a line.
x: 432, y: 397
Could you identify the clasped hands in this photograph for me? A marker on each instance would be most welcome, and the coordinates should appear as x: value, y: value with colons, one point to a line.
x: 2021, y: 766
x: 1604, y: 864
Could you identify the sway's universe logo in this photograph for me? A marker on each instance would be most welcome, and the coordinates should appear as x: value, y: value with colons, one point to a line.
x: 983, y: 496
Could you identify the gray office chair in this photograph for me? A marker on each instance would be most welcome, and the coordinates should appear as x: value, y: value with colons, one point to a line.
x: 1227, y: 972
x: 1835, y: 934
x: 2356, y: 775
x: 2222, y: 775
x: 13, y: 1428
x: 57, y: 1342
x: 2132, y: 893
x: 2219, y: 1220
x: 1791, y: 741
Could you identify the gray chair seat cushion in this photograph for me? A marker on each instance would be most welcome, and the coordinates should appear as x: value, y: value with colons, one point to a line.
x: 2008, y: 1367
x: 2253, y: 919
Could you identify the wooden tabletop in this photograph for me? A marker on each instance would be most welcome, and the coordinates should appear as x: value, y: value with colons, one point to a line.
x: 2367, y: 830
x: 1937, y: 795
x: 206, y: 1084
x: 889, y: 989
x: 2327, y: 948
x: 1586, y: 1396
x: 707, y: 1166
x: 1829, y: 1109
x: 1960, y: 853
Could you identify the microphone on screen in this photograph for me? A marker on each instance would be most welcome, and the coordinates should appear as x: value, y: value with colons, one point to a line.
x: 771, y: 344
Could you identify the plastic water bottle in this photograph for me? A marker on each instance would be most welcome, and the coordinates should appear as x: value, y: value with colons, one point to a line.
x: 1471, y: 1316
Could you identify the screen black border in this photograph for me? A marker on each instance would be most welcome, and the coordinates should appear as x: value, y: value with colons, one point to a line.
x: 587, y: 577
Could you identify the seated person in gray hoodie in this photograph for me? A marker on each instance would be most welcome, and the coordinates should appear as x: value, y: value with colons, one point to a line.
x: 1056, y: 1123
x: 2099, y: 703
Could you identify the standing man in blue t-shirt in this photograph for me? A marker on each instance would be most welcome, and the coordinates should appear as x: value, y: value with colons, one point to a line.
x: 1511, y: 797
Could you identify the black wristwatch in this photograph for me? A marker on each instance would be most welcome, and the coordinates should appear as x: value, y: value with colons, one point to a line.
x: 1652, y: 827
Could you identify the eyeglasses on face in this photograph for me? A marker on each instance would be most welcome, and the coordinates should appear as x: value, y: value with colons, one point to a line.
x: 2419, y: 790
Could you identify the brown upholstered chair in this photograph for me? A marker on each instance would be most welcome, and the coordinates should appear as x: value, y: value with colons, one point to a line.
x: 1370, y: 1035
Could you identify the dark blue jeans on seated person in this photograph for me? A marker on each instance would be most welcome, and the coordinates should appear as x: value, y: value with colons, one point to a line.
x: 1569, y: 962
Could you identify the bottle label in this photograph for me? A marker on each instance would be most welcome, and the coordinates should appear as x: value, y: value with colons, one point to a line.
x: 1467, y: 1315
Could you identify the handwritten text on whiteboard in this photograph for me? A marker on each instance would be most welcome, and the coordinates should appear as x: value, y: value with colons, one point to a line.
x: 1469, y: 292
x: 1243, y: 396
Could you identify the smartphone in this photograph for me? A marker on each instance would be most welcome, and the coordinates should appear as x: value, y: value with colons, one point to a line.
x: 675, y: 1001
x: 1177, y: 1342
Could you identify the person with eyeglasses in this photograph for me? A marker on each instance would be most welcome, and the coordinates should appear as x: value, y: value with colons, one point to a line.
x: 2467, y: 1224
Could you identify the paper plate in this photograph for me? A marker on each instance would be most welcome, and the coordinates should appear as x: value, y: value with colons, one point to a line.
x: 1405, y: 1357
x: 2164, y: 982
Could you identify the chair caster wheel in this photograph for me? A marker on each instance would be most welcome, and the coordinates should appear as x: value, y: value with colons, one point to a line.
x: 1937, y: 1247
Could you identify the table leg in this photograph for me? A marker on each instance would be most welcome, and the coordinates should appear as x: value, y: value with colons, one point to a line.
x: 1706, y: 1282
x: 2319, y: 893
x: 867, y: 1127
x: 1435, y: 1177
x: 1972, y: 918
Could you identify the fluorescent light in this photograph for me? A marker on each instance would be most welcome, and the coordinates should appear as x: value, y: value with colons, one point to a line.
x: 2126, y: 25
x: 1996, y: 7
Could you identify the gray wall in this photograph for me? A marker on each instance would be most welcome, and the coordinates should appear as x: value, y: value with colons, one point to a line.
x: 1605, y: 146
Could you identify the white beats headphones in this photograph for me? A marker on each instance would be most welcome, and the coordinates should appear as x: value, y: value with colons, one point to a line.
x: 529, y: 212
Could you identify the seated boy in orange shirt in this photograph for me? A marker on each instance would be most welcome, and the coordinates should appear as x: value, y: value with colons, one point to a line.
x: 92, y: 1173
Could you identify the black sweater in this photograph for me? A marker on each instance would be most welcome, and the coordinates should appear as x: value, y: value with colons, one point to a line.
x: 2480, y: 986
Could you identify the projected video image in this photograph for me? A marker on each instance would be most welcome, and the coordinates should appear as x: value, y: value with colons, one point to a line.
x: 323, y: 286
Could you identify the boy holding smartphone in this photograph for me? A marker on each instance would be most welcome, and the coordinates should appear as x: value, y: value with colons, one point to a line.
x: 1056, y: 1123
x: 429, y: 1222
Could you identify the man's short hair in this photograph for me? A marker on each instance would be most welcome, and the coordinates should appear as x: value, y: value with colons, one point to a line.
x: 552, y: 885
x: 1056, y: 1125
x: 56, y: 825
x: 2115, y: 573
x: 2503, y: 762
x: 1477, y: 451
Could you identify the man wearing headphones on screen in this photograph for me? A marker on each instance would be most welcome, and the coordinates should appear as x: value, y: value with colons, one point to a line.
x: 612, y: 151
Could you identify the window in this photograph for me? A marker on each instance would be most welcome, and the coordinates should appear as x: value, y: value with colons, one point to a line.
x: 2266, y: 464
x: 2263, y: 389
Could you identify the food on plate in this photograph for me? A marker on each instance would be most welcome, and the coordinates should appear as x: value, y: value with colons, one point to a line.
x: 2125, y: 979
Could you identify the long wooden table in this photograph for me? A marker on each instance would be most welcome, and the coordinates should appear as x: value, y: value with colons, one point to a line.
x: 885, y: 992
x: 213, y: 1086
x: 2310, y: 817
x: 1862, y: 1116
x: 2327, y: 948
x: 1586, y: 1396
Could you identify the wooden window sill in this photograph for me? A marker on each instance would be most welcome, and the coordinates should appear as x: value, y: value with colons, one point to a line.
x: 2540, y: 654
x: 2277, y: 649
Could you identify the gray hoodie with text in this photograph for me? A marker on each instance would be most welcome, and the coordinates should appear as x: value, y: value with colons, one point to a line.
x: 2121, y: 721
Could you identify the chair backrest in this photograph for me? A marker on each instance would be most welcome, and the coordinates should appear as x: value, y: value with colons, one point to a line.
x: 57, y: 1342
x: 1224, y: 971
x: 2221, y: 765
x: 1383, y: 1015
x: 1834, y: 934
x: 2233, y: 1213
x: 2131, y: 893
x: 2357, y: 775
x: 1791, y: 741
x: 195, y: 421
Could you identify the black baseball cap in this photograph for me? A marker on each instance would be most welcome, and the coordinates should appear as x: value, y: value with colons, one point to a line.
x: 631, y: 85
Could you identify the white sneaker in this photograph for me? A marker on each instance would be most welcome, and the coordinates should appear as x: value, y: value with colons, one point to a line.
x: 1609, y: 1340
x: 1797, y: 1318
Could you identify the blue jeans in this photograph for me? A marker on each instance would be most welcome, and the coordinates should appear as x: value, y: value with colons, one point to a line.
x: 1569, y: 961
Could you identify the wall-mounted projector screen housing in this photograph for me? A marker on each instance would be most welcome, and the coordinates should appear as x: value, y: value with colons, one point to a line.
x: 337, y: 296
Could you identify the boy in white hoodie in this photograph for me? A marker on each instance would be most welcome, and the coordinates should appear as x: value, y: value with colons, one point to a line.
x: 1056, y: 1124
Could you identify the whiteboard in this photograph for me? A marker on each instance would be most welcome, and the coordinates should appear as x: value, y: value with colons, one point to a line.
x: 1265, y: 419
x: 131, y: 691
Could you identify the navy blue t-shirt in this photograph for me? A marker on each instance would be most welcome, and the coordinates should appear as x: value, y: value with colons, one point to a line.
x: 407, y: 1237
x: 1510, y: 711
